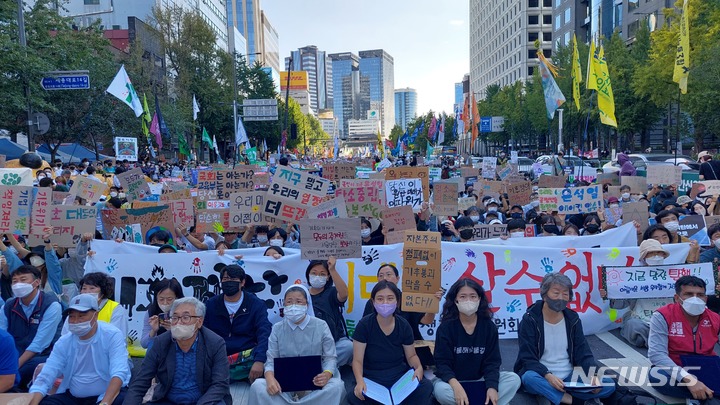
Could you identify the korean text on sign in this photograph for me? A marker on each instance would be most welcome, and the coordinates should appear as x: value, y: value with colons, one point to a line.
x: 571, y: 200
x: 404, y: 192
x: 291, y: 192
x: 363, y: 198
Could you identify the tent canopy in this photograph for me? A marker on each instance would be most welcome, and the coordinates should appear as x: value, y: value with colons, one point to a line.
x: 74, y: 151
x: 13, y: 150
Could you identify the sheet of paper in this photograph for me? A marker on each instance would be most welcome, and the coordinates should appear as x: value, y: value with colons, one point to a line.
x: 377, y: 392
x: 404, y: 387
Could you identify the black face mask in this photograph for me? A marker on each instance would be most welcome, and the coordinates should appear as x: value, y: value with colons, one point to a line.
x: 556, y: 305
x: 467, y: 234
x: 230, y: 287
x: 516, y: 215
x: 592, y: 228
x: 550, y: 229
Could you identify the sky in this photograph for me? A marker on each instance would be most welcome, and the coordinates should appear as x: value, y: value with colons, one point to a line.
x: 427, y: 39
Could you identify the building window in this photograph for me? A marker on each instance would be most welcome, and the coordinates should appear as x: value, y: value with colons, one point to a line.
x: 558, y: 3
x: 532, y: 36
x: 547, y: 53
x: 547, y: 3
x: 547, y: 36
x: 567, y: 38
x: 533, y: 3
x: 567, y: 15
x: 532, y: 20
x: 547, y: 19
x: 92, y: 2
x: 558, y: 22
x: 532, y: 54
x: 531, y: 70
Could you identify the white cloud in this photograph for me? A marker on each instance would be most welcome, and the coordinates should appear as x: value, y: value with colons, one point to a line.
x: 457, y: 22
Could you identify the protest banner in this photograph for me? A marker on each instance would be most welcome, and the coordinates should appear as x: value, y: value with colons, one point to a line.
x: 207, y: 221
x: 337, y: 171
x: 246, y: 207
x: 134, y: 184
x: 711, y: 187
x: 711, y: 220
x: 489, y: 166
x: 483, y: 231
x: 16, y: 177
x: 574, y: 200
x: 664, y: 174
x: 693, y: 227
x: 546, y: 181
x: 404, y: 192
x: 396, y: 221
x: 15, y: 203
x: 332, y: 208
x: 339, y: 237
x: 66, y: 225
x: 653, y: 281
x: 183, y: 212
x: 88, y: 189
x: 126, y: 148
x: 611, y: 179
x: 202, y: 197
x: 225, y: 182
x: 519, y: 192
x: 136, y: 225
x: 688, y: 179
x: 363, y: 198
x: 637, y: 184
x: 465, y: 202
x: 61, y: 197
x: 422, y: 259
x: 408, y: 172
x: 39, y: 218
x: 183, y: 194
x: 292, y: 192
x: 445, y: 198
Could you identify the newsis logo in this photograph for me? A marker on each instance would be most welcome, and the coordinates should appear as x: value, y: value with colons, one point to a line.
x: 632, y: 376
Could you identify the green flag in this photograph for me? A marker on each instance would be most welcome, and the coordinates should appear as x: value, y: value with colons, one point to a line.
x: 183, y: 146
x: 145, y: 118
x: 251, y: 155
x: 206, y: 138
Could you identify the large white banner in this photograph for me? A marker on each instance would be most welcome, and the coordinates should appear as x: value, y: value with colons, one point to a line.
x: 511, y: 274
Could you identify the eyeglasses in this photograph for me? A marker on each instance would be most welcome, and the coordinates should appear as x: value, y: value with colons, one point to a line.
x: 185, y: 319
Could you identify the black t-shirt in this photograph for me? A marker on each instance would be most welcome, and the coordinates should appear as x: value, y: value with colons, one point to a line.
x: 413, y: 318
x: 710, y: 170
x: 327, y: 307
x: 384, y: 360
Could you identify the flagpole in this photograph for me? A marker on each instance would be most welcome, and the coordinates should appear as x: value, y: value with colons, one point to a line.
x: 677, y: 126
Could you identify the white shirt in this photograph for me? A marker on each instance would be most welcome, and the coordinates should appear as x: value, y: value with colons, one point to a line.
x: 189, y: 247
x: 85, y: 381
x: 232, y: 307
x: 555, y: 356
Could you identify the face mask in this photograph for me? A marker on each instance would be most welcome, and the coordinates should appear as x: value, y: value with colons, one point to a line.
x: 625, y: 196
x: 517, y: 234
x: 80, y: 329
x: 614, y: 205
x: 96, y: 295
x: 475, y: 218
x: 592, y: 228
x: 694, y: 306
x: 318, y: 281
x: 262, y: 238
x: 654, y: 260
x: 672, y: 226
x: 516, y: 215
x: 165, y: 308
x: 22, y: 290
x: 230, y: 287
x: 550, y: 228
x: 41, y: 176
x: 535, y: 203
x: 365, y: 233
x: 466, y: 234
x: 121, y: 195
x: 556, y: 305
x: 295, y: 313
x: 182, y: 332
x: 492, y: 209
x: 717, y: 244
x: 385, y: 310
x: 113, y: 194
x: 468, y: 307
x: 276, y: 242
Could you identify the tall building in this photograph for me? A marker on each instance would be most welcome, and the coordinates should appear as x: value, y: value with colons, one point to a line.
x: 379, y: 69
x: 406, y: 106
x: 269, y: 44
x: 245, y: 16
x: 570, y: 17
x: 346, y: 89
x: 605, y: 17
x: 315, y: 63
x: 502, y: 40
x: 458, y: 93
x: 647, y: 12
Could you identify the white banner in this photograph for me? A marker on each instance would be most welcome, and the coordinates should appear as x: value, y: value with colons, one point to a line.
x: 624, y: 235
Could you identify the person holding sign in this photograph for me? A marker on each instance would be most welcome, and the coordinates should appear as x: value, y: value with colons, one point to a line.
x: 297, y: 336
x: 670, y: 220
x: 467, y: 348
x: 383, y: 351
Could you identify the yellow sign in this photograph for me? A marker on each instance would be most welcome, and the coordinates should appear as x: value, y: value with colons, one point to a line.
x: 298, y: 80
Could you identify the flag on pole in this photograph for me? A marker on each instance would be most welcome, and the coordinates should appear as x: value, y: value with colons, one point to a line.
x: 336, y: 148
x: 475, y: 119
x: 432, y: 129
x: 240, y: 133
x: 606, y: 101
x: 459, y: 125
x: 183, y: 146
x: 161, y: 124
x: 196, y: 108
x: 576, y: 74
x: 264, y: 147
x: 682, y: 58
x: 146, y: 118
x: 591, y: 85
x: 441, y: 132
x: 122, y: 88
x: 380, y: 145
x: 466, y: 114
x: 155, y: 129
x: 553, y: 96
x: 206, y: 138
x: 215, y: 146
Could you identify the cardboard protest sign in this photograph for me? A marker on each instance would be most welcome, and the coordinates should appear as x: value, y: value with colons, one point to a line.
x: 483, y: 231
x: 408, y: 172
x: 217, y: 205
x: 469, y: 172
x: 208, y: 221
x: 68, y: 223
x: 202, y: 197
x: 144, y: 204
x: 404, y: 192
x: 339, y: 237
x: 574, y: 200
x: 374, y: 176
x: 688, y: 179
x: 88, y: 189
x: 292, y: 192
x: 653, y: 281
x: 16, y: 177
x: 711, y: 220
x: 445, y: 198
x: 40, y: 216
x: 705, y: 188
x: 332, y: 208
x: 183, y: 212
x: 183, y: 194
x: 613, y: 191
x: 225, y: 182
x: 636, y: 211
x: 519, y: 192
x: 396, y: 221
x: 15, y: 202
x: 136, y: 225
x: 505, y: 171
x: 612, y: 179
x: 422, y: 257
x: 546, y: 181
x: 363, y: 198
x: 134, y: 184
x: 337, y: 171
x: 693, y: 227
x: 490, y: 188
x: 664, y: 174
x: 246, y: 208
x: 489, y: 166
x: 465, y: 202
x: 638, y: 184
x: 61, y: 197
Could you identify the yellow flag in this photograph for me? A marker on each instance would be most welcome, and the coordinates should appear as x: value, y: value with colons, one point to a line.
x: 591, y: 85
x: 145, y: 118
x: 576, y: 74
x: 380, y: 146
x: 606, y: 101
x: 682, y: 59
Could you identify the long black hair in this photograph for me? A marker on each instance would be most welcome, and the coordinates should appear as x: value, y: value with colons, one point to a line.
x: 450, y: 310
x: 322, y: 263
x: 160, y: 286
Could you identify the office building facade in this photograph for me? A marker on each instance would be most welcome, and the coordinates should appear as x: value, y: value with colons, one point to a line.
x: 315, y: 63
x: 346, y: 89
x: 570, y: 17
x: 379, y: 69
x: 270, y: 44
x: 405, y: 107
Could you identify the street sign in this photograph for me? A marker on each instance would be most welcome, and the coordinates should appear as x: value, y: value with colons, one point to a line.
x: 492, y: 124
x: 66, y: 80
x: 264, y: 109
x: 485, y: 124
x: 41, y: 122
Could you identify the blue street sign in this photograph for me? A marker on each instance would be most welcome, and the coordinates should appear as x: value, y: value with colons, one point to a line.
x: 485, y: 124
x: 68, y: 82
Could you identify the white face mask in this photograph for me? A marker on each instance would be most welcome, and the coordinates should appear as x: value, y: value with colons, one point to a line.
x: 262, y: 238
x: 475, y: 218
x: 318, y: 281
x: 672, y: 226
x: 468, y: 307
x: 165, y: 308
x: 625, y: 196
x: 717, y: 244
x: 113, y: 194
x: 365, y: 233
x: 22, y: 290
x: 80, y: 329
x: 535, y: 203
x: 276, y: 242
x: 614, y: 205
x: 295, y: 313
x: 96, y: 295
x: 694, y: 306
x: 182, y: 332
x: 492, y: 209
x: 517, y: 234
x: 654, y: 260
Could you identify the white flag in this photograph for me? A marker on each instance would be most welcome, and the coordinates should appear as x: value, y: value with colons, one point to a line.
x: 215, y: 146
x: 240, y: 134
x: 123, y: 89
x: 196, y: 108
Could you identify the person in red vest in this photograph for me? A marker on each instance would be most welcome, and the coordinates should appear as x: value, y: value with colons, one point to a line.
x: 684, y: 327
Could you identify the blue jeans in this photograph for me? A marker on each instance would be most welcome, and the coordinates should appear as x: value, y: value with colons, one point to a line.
x: 669, y: 388
x: 536, y: 384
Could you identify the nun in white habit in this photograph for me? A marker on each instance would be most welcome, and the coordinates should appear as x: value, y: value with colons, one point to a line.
x: 300, y: 333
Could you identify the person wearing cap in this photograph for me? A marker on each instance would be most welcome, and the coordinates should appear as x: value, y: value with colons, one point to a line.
x: 92, y: 359
x: 709, y: 168
x: 516, y: 212
x: 533, y: 205
x: 448, y: 232
x: 167, y: 249
x: 32, y: 317
x: 636, y: 322
x: 100, y: 286
x: 241, y: 319
x: 465, y: 228
x: 189, y: 364
x: 492, y: 205
x: 683, y: 202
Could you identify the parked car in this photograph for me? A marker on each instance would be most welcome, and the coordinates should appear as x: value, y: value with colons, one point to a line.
x: 570, y: 161
x: 642, y: 160
x: 524, y: 164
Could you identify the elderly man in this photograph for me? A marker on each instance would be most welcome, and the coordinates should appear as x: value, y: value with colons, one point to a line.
x: 685, y: 327
x: 189, y: 363
x: 92, y: 359
x: 552, y: 345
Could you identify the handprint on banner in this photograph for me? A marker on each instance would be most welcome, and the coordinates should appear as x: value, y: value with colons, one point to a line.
x: 370, y: 256
x: 111, y: 265
x: 448, y: 265
x: 569, y: 252
x: 513, y: 306
x: 614, y: 253
x: 469, y: 253
x: 547, y: 264
x: 196, y: 265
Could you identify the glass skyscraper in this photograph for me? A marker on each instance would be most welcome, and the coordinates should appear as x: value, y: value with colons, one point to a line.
x: 245, y: 16
x: 406, y: 106
x: 346, y: 89
x: 314, y: 61
x: 379, y: 69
